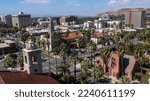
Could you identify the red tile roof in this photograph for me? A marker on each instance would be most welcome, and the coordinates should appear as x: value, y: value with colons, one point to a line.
x: 100, y: 35
x: 74, y: 35
x: 24, y: 78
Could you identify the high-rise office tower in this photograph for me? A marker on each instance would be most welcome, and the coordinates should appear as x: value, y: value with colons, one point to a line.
x: 135, y: 18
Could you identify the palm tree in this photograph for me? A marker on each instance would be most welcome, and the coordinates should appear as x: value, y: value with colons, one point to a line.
x: 56, y: 40
x: 43, y: 44
x: 20, y: 61
x: 47, y: 43
x: 10, y: 61
x: 93, y: 31
x: 24, y: 37
x: 116, y: 38
x: 56, y: 62
x: 92, y: 47
x: 38, y: 43
x: 99, y: 73
x: 105, y: 53
x: 124, y: 80
x: 81, y: 59
x: 86, y: 36
x: 64, y: 68
x: 33, y: 38
x: 127, y: 38
x: 63, y: 51
x: 74, y: 60
x: 83, y: 78
x: 78, y: 43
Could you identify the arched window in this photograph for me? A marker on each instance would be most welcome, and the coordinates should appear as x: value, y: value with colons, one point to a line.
x: 34, y: 59
x: 26, y: 59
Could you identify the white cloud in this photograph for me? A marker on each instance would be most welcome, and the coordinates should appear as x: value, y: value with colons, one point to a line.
x: 118, y: 2
x: 35, y: 1
x: 71, y: 3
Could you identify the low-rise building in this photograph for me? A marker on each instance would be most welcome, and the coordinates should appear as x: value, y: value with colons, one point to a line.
x: 71, y: 38
x: 99, y: 24
x: 96, y: 38
x: 88, y: 25
x: 7, y: 46
x: 114, y: 24
x: 101, y: 40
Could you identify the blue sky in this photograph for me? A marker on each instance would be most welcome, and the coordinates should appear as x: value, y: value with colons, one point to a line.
x: 67, y: 7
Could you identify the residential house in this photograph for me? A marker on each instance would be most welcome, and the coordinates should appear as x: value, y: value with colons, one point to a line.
x: 71, y: 38
x: 7, y: 46
x: 101, y: 39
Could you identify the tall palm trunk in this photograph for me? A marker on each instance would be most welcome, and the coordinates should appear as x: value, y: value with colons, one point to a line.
x: 64, y: 60
x: 75, y: 70
x: 56, y: 64
x: 91, y: 59
x: 94, y: 67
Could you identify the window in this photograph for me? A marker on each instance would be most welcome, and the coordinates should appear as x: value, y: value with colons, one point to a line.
x: 25, y: 59
x: 35, y: 70
x: 34, y: 59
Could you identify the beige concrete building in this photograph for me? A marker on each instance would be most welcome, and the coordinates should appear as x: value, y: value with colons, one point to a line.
x: 135, y: 18
x: 21, y: 20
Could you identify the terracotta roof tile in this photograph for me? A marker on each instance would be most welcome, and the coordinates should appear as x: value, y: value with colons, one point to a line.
x: 73, y: 35
x: 24, y: 78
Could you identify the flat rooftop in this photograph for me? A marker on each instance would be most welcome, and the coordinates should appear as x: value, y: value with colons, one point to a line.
x: 9, y: 41
x: 3, y: 45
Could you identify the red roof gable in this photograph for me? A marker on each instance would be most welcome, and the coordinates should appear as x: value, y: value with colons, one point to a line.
x: 74, y: 35
x: 24, y: 78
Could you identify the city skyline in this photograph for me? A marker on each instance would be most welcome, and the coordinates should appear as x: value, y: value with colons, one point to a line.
x: 67, y: 7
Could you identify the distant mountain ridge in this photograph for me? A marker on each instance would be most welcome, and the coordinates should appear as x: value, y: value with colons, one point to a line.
x: 123, y: 10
